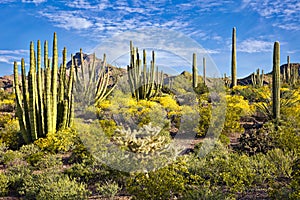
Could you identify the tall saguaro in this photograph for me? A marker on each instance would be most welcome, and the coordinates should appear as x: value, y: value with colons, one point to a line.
x: 195, y: 71
x: 233, y: 59
x: 204, y: 71
x: 276, y: 81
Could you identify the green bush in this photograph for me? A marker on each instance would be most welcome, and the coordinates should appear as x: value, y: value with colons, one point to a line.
x: 53, y: 186
x: 165, y: 183
x: 4, y: 181
x: 32, y: 153
x: 108, y: 189
x: 60, y: 141
x: 11, y: 134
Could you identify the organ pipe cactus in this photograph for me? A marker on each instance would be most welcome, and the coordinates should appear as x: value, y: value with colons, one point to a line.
x: 276, y: 81
x: 257, y: 78
x: 37, y: 104
x: 92, y: 81
x: 144, y: 83
x: 233, y: 59
x: 195, y: 71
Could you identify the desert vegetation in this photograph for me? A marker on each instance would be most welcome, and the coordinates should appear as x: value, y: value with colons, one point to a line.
x: 57, y: 123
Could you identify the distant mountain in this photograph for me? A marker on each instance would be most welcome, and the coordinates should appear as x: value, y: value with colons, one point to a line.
x: 6, y: 82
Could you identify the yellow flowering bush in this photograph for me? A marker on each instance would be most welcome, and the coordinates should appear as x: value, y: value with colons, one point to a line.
x: 60, y: 141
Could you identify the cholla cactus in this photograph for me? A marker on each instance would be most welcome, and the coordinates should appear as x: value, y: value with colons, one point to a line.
x: 146, y: 140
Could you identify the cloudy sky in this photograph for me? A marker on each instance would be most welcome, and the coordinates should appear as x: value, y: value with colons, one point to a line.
x: 175, y: 26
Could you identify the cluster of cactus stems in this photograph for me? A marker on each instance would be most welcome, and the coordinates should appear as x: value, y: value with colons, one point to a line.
x: 195, y: 71
x: 257, y: 78
x: 233, y: 59
x: 290, y: 73
x: 226, y: 81
x: 145, y: 83
x: 92, y: 82
x: 44, y: 103
x: 276, y: 81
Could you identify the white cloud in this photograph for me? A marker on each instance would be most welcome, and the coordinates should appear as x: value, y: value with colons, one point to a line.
x: 254, y: 46
x: 34, y: 1
x: 68, y: 19
x: 9, y: 56
x: 20, y: 51
x: 286, y: 14
x: 81, y: 4
x: 7, y: 1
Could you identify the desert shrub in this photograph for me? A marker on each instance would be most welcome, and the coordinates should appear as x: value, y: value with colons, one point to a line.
x: 236, y: 108
x: 4, y: 118
x: 108, y: 189
x: 169, y: 104
x: 18, y: 174
x: 80, y: 154
x: 81, y: 171
x: 109, y: 126
x: 60, y: 141
x: 165, y: 183
x: 11, y: 134
x: 223, y: 169
x: 11, y: 157
x: 7, y: 105
x: 31, y: 153
x: 261, y: 94
x: 127, y: 111
x: 3, y: 184
x: 53, y: 186
x: 205, y: 111
x: 286, y: 137
x: 49, y: 161
x: 201, y: 88
x: 283, y: 162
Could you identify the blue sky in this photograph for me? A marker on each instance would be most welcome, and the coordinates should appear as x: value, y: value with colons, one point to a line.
x: 88, y: 24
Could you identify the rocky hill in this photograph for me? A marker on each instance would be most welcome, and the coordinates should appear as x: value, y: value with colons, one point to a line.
x: 6, y: 82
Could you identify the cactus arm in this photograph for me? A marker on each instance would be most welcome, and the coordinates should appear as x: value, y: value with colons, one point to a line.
x: 54, y: 82
x: 19, y: 109
x: 32, y: 94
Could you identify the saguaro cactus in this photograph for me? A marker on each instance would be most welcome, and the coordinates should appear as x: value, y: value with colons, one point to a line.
x: 233, y: 59
x: 204, y: 71
x: 276, y: 81
x: 288, y: 70
x: 37, y: 103
x: 143, y: 84
x: 195, y: 71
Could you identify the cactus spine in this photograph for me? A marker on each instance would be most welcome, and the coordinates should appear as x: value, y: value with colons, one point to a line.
x: 35, y: 104
x: 233, y: 59
x: 195, y: 71
x: 143, y: 83
x: 276, y: 81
